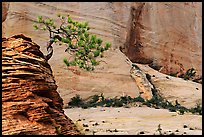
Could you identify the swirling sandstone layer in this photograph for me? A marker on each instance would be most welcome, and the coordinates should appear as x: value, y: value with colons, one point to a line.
x: 166, y: 34
x: 30, y: 102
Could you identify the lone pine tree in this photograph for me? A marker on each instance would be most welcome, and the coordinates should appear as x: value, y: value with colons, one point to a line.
x: 84, y: 47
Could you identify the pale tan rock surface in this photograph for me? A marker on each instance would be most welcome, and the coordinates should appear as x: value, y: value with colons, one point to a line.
x: 106, y: 19
x: 167, y: 33
x: 5, y: 8
x: 132, y: 121
x: 23, y: 14
x: 111, y: 77
x: 186, y: 92
x: 170, y: 34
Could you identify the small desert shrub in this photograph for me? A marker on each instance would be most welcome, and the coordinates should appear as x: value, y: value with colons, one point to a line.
x: 197, y: 109
x: 189, y: 74
x: 76, y: 101
x: 139, y: 99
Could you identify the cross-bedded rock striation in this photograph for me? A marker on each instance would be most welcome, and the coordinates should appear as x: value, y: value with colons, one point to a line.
x: 30, y: 102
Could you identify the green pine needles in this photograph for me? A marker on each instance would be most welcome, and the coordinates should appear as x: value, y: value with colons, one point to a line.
x: 83, y: 47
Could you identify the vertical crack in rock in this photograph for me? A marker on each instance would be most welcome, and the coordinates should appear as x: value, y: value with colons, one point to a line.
x: 30, y: 102
x: 143, y: 81
x: 158, y: 33
x: 133, y: 46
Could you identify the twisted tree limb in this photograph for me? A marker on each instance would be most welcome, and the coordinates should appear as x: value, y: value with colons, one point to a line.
x: 49, y: 46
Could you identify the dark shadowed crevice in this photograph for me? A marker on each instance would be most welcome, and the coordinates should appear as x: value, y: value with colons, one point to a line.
x: 133, y: 47
x: 154, y: 90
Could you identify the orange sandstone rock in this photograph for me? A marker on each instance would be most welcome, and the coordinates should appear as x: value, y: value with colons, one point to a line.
x: 30, y: 102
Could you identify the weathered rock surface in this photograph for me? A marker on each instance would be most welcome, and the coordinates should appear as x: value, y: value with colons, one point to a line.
x: 30, y: 102
x: 167, y: 34
x: 107, y: 20
x: 111, y: 77
x: 186, y: 92
x: 143, y: 84
x: 5, y: 8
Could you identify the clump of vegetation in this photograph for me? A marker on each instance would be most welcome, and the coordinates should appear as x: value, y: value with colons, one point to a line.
x: 100, y: 100
x: 190, y: 74
x: 76, y: 101
x: 159, y: 129
x: 83, y: 47
x: 156, y: 102
x: 197, y: 109
x: 58, y: 130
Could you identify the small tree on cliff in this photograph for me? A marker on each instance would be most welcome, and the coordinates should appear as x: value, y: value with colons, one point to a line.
x: 81, y: 45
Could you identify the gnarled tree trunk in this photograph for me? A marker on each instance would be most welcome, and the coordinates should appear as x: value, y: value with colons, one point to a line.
x: 30, y: 102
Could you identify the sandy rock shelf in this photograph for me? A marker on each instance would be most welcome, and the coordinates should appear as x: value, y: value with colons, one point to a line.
x: 133, y: 121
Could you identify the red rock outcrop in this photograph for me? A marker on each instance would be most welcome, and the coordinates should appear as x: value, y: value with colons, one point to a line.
x: 30, y: 102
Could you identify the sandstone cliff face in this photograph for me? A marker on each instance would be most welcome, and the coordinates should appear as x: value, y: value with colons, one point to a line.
x: 164, y: 34
x: 30, y: 102
x: 167, y: 35
x: 112, y: 76
x: 5, y: 7
x: 106, y: 19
